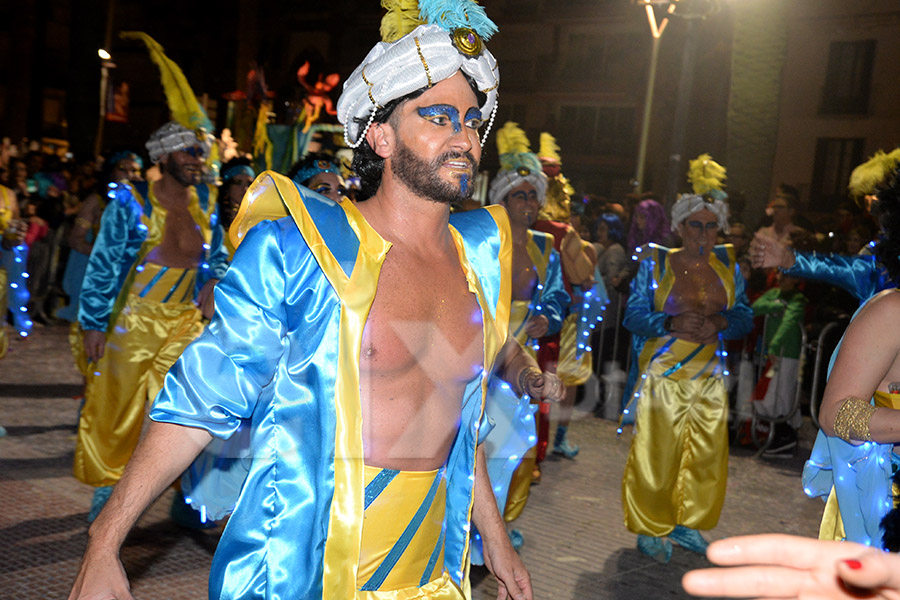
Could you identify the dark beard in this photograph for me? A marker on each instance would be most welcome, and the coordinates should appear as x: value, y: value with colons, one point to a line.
x: 179, y: 174
x: 422, y: 177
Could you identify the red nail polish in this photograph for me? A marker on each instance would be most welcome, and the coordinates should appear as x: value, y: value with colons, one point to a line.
x: 853, y: 564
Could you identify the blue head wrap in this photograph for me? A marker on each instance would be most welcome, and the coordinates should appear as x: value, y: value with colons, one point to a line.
x: 314, y: 168
x: 232, y: 172
x: 118, y: 157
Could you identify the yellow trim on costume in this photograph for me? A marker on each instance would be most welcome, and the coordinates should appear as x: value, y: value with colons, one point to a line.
x: 538, y: 258
x: 389, y: 514
x: 501, y: 218
x: 665, y: 282
x: 724, y: 273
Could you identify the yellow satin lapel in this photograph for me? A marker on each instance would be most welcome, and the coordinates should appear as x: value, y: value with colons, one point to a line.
x: 504, y: 300
x: 538, y: 258
x: 262, y: 202
x: 665, y: 282
x: 724, y: 274
x: 495, y: 330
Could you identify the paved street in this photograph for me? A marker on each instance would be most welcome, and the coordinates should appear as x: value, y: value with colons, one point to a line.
x: 575, y: 544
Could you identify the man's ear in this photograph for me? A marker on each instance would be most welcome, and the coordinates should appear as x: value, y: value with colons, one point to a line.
x: 381, y: 137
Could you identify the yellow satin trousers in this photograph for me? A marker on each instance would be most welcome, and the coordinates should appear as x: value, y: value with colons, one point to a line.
x: 678, y: 463
x: 385, y: 520
x: 572, y: 371
x: 147, y: 339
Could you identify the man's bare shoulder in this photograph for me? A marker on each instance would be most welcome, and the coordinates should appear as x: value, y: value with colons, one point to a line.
x: 882, y: 310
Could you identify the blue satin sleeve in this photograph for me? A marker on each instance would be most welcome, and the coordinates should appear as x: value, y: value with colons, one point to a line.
x: 216, y: 382
x: 740, y: 315
x: 112, y: 255
x: 640, y: 318
x: 218, y: 255
x: 554, y: 300
x: 859, y: 274
x: 14, y: 261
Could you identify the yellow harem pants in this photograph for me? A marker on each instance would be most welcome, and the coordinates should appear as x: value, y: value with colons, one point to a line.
x: 398, y: 509
x: 572, y: 371
x: 678, y: 463
x: 148, y: 337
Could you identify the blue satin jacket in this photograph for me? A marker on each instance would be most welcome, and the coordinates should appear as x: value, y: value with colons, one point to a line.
x: 550, y: 297
x: 644, y: 321
x: 860, y: 274
x: 280, y: 363
x: 131, y: 226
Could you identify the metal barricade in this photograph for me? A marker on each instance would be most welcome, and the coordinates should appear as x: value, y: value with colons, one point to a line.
x: 757, y: 417
x: 814, y: 400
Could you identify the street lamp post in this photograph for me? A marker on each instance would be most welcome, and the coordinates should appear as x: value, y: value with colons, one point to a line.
x: 105, y: 65
x: 656, y: 30
x: 691, y: 11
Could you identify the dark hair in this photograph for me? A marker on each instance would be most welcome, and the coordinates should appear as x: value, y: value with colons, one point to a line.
x: 105, y: 176
x: 615, y: 229
x: 366, y: 163
x: 789, y: 193
x: 887, y: 211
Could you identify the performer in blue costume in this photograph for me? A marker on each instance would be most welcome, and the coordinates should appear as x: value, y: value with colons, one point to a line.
x: 683, y: 304
x: 156, y: 258
x: 861, y: 275
x: 852, y: 461
x: 539, y: 303
x: 119, y: 167
x: 355, y: 342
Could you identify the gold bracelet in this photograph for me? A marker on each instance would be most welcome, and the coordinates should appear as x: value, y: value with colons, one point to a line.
x: 851, y: 423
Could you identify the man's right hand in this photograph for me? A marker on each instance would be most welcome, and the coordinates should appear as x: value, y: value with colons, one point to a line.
x: 94, y: 344
x: 101, y: 576
x: 766, y: 253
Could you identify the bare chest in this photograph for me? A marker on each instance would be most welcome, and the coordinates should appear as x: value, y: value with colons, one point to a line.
x: 524, y: 274
x: 696, y: 289
x: 182, y: 241
x: 423, y: 319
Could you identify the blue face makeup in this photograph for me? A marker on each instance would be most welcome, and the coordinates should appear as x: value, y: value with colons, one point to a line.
x: 464, y: 184
x: 524, y: 196
x: 474, y: 118
x: 443, y: 114
x: 699, y: 225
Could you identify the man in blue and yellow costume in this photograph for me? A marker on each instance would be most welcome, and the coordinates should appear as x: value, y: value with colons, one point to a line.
x: 353, y: 344
x: 684, y: 302
x: 148, y: 281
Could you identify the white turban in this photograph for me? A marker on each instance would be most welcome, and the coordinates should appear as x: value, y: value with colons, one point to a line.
x: 173, y: 137
x: 507, y: 179
x: 688, y: 204
x: 425, y: 56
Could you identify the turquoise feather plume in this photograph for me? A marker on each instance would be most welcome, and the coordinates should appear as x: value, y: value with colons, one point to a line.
x: 456, y: 14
